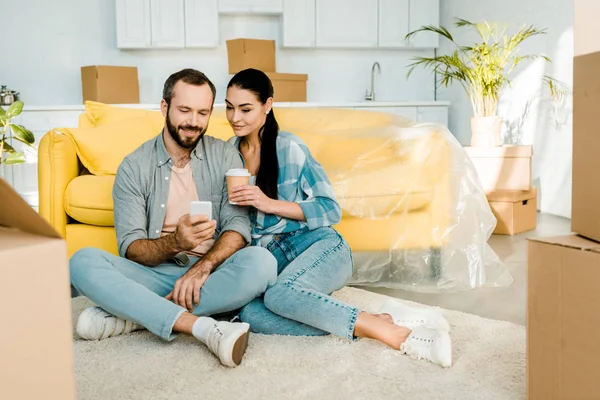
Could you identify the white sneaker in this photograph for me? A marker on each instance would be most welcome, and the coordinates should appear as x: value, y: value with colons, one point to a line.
x: 96, y: 324
x: 228, y: 341
x: 411, y: 317
x: 429, y: 344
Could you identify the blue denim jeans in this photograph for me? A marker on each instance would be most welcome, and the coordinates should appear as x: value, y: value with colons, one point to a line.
x: 137, y: 293
x: 310, y: 265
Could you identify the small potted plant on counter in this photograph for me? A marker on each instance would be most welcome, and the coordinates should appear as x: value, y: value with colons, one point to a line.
x: 10, y: 130
x: 483, y: 69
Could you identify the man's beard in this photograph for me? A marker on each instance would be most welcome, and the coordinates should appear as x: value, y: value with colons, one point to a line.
x: 184, y: 141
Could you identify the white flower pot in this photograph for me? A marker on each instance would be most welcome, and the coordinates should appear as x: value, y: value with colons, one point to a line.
x: 486, y: 131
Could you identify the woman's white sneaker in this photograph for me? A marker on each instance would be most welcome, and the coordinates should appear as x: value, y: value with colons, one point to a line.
x: 429, y: 344
x: 411, y: 317
x: 96, y: 324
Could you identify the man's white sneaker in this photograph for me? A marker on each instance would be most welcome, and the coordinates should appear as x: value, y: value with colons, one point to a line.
x: 429, y: 344
x: 411, y: 317
x: 227, y: 340
x: 96, y: 324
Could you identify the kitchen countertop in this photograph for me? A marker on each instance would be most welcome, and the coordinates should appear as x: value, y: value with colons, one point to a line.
x: 80, y: 107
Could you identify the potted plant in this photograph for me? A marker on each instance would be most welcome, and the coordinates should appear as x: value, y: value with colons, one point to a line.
x: 483, y: 69
x: 9, y: 130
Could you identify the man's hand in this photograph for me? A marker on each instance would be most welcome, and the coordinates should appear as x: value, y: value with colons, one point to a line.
x: 191, y: 231
x: 186, y: 292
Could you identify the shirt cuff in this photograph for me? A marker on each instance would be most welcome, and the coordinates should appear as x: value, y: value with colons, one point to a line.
x: 239, y: 227
x: 311, y: 210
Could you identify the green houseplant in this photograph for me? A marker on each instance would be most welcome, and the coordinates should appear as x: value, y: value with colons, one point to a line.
x: 9, y: 130
x: 483, y: 69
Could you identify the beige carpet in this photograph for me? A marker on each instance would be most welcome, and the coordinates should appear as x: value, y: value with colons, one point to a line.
x: 489, y: 363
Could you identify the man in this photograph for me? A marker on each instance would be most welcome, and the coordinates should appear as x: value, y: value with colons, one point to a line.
x: 172, y: 274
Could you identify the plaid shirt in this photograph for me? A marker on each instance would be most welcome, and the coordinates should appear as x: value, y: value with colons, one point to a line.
x: 301, y: 180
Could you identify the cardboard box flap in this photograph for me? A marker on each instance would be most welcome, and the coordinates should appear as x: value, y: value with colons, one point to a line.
x: 500, y: 152
x: 16, y: 213
x: 511, y: 196
x: 571, y: 241
x: 286, y: 77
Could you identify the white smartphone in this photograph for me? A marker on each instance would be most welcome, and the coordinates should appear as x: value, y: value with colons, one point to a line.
x: 201, y: 208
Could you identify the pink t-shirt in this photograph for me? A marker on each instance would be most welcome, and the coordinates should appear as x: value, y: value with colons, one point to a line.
x: 182, y: 191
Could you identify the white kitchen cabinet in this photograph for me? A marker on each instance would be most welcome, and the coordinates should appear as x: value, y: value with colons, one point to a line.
x: 394, y: 25
x: 167, y: 23
x: 406, y: 112
x: 201, y: 23
x: 423, y: 13
x: 346, y: 23
x: 299, y: 18
x: 433, y: 114
x: 250, y: 6
x: 133, y: 24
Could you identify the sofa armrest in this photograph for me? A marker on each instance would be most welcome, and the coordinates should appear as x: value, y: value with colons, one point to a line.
x: 57, y: 166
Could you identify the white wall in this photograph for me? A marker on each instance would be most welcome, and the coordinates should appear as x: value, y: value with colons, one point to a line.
x: 55, y: 38
x: 548, y: 127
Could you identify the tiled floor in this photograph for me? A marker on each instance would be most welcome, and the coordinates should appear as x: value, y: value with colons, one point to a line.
x: 508, y: 303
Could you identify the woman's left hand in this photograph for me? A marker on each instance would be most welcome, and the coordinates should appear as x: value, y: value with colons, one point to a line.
x: 251, y: 196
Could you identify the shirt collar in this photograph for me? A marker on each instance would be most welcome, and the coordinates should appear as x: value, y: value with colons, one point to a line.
x: 163, y: 157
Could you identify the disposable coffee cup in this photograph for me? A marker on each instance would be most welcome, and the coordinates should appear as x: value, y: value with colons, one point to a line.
x: 236, y: 177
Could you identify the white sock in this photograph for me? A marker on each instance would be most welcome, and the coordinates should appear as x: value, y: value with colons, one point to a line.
x: 201, y: 328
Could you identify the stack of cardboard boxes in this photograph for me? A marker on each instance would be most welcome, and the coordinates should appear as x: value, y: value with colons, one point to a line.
x: 563, y: 314
x: 505, y: 174
x: 260, y: 54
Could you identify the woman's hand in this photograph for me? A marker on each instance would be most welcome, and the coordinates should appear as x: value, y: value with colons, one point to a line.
x: 251, y: 196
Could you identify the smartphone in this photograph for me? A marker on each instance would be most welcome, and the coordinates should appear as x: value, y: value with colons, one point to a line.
x: 201, y: 208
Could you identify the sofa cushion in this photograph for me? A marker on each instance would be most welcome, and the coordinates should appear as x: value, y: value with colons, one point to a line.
x: 100, y: 114
x: 88, y: 199
x: 102, y: 149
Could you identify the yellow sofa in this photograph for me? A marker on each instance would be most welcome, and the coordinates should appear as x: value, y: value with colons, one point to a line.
x: 392, y: 179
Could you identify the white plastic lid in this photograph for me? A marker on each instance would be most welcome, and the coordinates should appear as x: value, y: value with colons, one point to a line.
x: 237, y: 172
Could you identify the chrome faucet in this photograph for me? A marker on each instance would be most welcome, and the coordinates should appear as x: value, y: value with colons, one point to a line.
x: 371, y: 96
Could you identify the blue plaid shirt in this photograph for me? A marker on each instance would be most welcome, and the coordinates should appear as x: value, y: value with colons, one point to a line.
x: 301, y: 180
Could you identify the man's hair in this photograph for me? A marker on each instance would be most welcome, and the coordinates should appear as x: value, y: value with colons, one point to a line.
x: 190, y: 76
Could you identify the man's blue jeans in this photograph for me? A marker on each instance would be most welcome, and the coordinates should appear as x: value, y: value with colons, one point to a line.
x: 137, y: 293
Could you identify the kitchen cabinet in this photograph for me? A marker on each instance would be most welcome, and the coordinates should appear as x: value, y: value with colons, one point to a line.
x: 433, y: 114
x: 164, y: 24
x: 394, y: 23
x: 133, y: 24
x: 423, y: 13
x: 167, y: 23
x: 346, y: 23
x: 298, y: 22
x: 201, y: 23
x: 250, y: 6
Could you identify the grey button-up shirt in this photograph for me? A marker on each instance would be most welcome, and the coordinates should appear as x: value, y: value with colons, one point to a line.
x: 142, y: 183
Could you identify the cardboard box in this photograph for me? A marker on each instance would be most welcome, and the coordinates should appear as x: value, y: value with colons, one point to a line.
x: 251, y: 53
x: 288, y: 87
x: 586, y: 27
x: 110, y: 84
x: 36, y: 339
x: 563, y: 322
x: 502, y: 168
x: 585, y: 214
x: 515, y: 210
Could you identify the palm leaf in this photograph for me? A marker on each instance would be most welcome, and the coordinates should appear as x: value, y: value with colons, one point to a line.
x: 482, y: 68
x: 440, y: 30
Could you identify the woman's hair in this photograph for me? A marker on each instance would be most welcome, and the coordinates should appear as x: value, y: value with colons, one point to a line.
x: 259, y: 83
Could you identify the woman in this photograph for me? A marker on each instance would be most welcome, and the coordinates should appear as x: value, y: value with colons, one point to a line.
x: 293, y: 209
